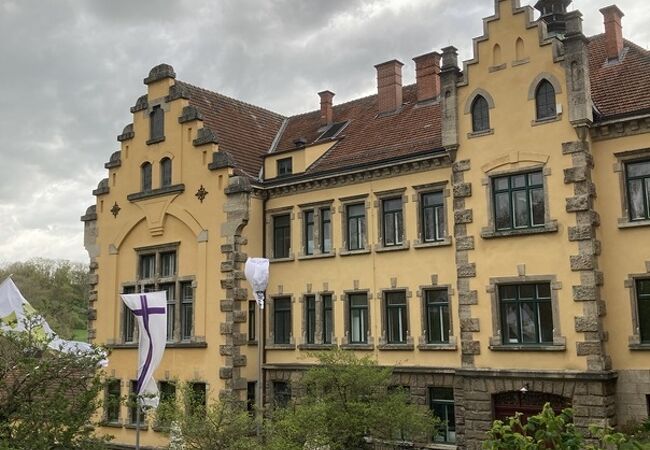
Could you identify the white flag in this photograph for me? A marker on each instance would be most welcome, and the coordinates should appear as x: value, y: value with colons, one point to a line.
x: 256, y: 271
x: 14, y: 309
x: 151, y: 311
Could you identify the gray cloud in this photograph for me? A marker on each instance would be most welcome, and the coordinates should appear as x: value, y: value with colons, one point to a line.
x: 72, y: 68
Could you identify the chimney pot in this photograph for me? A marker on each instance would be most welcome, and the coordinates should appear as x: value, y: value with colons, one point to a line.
x: 326, y: 111
x: 450, y: 58
x: 427, y: 75
x: 389, y: 85
x: 613, y: 31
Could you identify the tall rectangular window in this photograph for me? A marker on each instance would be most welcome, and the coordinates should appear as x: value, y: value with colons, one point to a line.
x: 170, y: 289
x: 441, y: 402
x: 396, y: 317
x: 518, y: 201
x: 325, y: 230
x: 281, y: 236
x: 282, y: 320
x: 432, y: 217
x: 526, y: 313
x: 327, y: 319
x: 392, y: 222
x: 168, y: 264
x: 187, y: 310
x: 147, y: 266
x: 250, y: 396
x: 128, y: 319
x: 310, y: 319
x: 285, y: 167
x: 308, y: 217
x: 643, y: 302
x: 167, y: 398
x: 281, y: 394
x: 437, y: 316
x: 112, y: 402
x: 252, y: 305
x: 356, y: 226
x: 133, y: 405
x: 156, y: 123
x: 196, y: 402
x: 358, y: 304
x: 638, y: 189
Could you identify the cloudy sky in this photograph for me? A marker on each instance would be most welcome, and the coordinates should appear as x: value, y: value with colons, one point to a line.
x: 70, y: 70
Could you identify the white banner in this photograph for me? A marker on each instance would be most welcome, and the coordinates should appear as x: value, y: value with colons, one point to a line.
x: 256, y: 271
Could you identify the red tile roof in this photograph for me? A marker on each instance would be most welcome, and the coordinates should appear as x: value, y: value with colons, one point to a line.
x: 621, y: 88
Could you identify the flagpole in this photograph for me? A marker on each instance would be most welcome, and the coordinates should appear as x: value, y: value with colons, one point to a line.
x: 260, y: 370
x: 137, y: 423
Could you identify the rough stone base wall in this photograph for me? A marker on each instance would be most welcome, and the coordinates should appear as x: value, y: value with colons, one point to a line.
x: 632, y: 396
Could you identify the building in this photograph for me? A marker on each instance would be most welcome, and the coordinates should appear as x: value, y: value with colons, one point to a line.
x: 484, y: 230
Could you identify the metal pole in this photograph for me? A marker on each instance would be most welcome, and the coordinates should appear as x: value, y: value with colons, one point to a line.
x: 137, y: 423
x: 260, y: 371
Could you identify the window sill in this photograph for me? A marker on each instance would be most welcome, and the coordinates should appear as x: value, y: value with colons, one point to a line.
x: 478, y: 134
x: 251, y: 343
x: 281, y: 260
x: 174, y: 189
x: 363, y: 251
x: 316, y: 346
x: 317, y: 256
x: 132, y: 426
x: 489, y: 233
x: 626, y: 223
x: 396, y: 347
x: 443, y: 347
x: 111, y: 424
x: 538, y: 122
x: 527, y: 348
x: 160, y: 429
x: 155, y: 140
x: 640, y: 347
x: 357, y: 347
x: 395, y: 248
x: 444, y: 243
x: 280, y: 347
x: 134, y: 345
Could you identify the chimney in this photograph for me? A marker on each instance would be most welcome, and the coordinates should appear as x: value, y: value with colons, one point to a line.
x: 389, y: 86
x: 427, y: 75
x: 326, y: 113
x: 613, y: 31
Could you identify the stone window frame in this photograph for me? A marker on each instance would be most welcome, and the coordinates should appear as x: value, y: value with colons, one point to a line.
x: 151, y: 111
x: 496, y: 341
x: 166, y: 166
x: 430, y: 401
x: 106, y: 421
x: 344, y: 203
x: 634, y: 340
x: 383, y: 339
x: 469, y: 103
x: 423, y: 343
x: 146, y: 176
x: 270, y: 319
x: 440, y: 186
x: 345, y: 340
x: 318, y: 331
x: 378, y: 204
x: 622, y: 159
x: 270, y: 215
x: 550, y: 225
x: 316, y: 208
x: 532, y: 96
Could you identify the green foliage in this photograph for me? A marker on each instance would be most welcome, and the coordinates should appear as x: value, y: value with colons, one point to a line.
x: 345, y: 399
x: 547, y: 430
x: 47, y: 398
x: 58, y: 290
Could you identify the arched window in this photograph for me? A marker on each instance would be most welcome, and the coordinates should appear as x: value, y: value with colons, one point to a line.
x: 520, y: 50
x: 157, y: 123
x: 496, y: 55
x: 145, y: 176
x: 480, y: 114
x: 165, y: 172
x: 545, y: 100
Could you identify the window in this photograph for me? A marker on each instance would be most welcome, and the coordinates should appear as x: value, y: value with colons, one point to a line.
x: 252, y: 304
x: 480, y: 114
x: 147, y: 266
x: 638, y: 189
x: 196, y: 402
x: 282, y: 320
x: 441, y: 401
x: 250, y: 396
x: 358, y: 318
x: 518, y: 201
x: 285, y: 167
x: 128, y: 319
x: 167, y: 263
x: 325, y: 230
x: 281, y: 236
x: 396, y: 317
x: 526, y: 314
x: 436, y: 304
x: 112, y: 403
x: 432, y: 216
x: 327, y: 318
x: 545, y: 100
x: 356, y: 226
x: 392, y: 222
x: 309, y: 232
x: 643, y: 303
x: 187, y: 310
x: 156, y: 123
x: 170, y: 289
x: 165, y: 172
x: 281, y: 394
x: 310, y: 319
x: 133, y: 405
x: 167, y: 398
x: 145, y: 177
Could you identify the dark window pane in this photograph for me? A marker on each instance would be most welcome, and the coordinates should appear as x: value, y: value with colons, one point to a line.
x: 327, y: 319
x: 145, y: 177
x: 639, y: 169
x: 545, y: 322
x: 281, y: 236
x: 441, y: 402
x: 503, y: 215
x: 281, y: 394
x: 394, y: 204
x: 526, y: 313
x: 527, y: 291
x: 170, y: 289
x: 325, y: 230
x: 157, y: 123
x: 309, y: 232
x: 518, y: 181
x: 528, y: 323
x: 519, y: 201
x: 282, y: 320
x: 165, y: 172
x: 147, y: 266
x: 520, y: 205
x: 545, y: 100
x: 168, y: 264
x: 112, y: 405
x: 358, y: 318
x: 501, y: 184
x: 644, y: 319
x: 510, y: 318
x: 535, y: 179
x: 637, y: 200
x: 392, y: 221
x: 480, y: 115
x: 537, y: 206
x: 252, y: 304
x: 187, y: 310
x: 285, y: 167
x: 310, y: 319
x: 356, y: 226
x: 508, y: 292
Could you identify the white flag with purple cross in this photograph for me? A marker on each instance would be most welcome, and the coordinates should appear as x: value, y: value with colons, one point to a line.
x: 150, y: 309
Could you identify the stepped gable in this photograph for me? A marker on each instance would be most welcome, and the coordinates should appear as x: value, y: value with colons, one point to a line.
x: 245, y: 131
x: 619, y: 88
x: 370, y: 137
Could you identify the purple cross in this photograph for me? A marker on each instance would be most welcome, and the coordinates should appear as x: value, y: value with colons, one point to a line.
x: 145, y: 311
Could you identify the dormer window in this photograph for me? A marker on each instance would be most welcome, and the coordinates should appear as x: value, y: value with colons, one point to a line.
x: 156, y: 124
x: 165, y: 172
x: 285, y: 167
x: 332, y: 131
x: 145, y: 177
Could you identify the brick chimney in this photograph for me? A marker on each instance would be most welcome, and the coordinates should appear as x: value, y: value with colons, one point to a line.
x: 326, y: 113
x: 427, y: 76
x: 389, y: 86
x: 613, y: 31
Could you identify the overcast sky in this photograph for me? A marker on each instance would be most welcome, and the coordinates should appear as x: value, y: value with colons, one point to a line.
x: 70, y: 70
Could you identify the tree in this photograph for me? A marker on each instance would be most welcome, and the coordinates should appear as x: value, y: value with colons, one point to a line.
x: 47, y: 398
x: 343, y: 400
